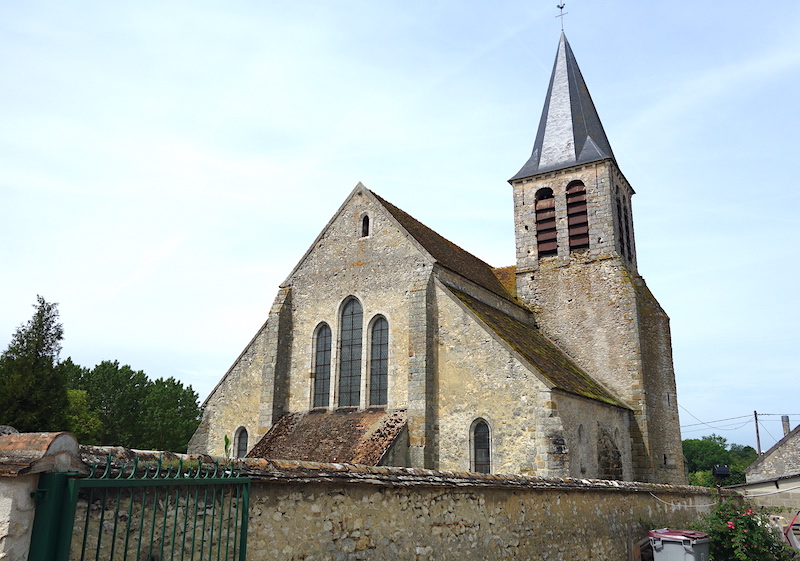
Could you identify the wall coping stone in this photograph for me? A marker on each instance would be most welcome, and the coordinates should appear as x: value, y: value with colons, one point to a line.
x: 297, y: 471
x: 39, y: 452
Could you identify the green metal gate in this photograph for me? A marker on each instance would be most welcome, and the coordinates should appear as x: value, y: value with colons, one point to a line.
x: 191, y: 512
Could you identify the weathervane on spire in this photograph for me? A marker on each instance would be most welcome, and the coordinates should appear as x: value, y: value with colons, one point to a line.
x: 562, y: 14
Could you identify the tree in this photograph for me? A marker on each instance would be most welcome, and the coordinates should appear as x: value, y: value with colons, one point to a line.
x: 742, y: 455
x: 136, y: 412
x: 705, y: 453
x: 83, y: 421
x: 74, y: 376
x: 118, y: 394
x: 171, y: 415
x: 33, y: 395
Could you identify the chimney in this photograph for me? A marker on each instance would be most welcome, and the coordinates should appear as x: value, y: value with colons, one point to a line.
x: 785, y: 421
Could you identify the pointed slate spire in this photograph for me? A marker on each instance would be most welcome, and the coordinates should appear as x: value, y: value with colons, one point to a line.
x: 570, y: 131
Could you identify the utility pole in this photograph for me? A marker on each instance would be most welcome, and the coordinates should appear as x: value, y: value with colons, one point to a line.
x: 758, y: 437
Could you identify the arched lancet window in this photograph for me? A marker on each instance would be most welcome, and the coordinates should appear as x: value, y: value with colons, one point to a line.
x: 628, y: 232
x: 623, y: 239
x: 241, y: 443
x: 481, y: 457
x: 350, y: 355
x: 379, y: 362
x: 365, y: 226
x: 546, y: 241
x: 577, y: 216
x: 322, y: 366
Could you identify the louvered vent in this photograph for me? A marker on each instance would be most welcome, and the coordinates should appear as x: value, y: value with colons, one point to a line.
x: 577, y: 217
x: 546, y: 223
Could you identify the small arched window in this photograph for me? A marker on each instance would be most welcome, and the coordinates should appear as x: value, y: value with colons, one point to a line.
x: 546, y: 241
x: 577, y: 216
x: 322, y: 366
x: 241, y: 443
x: 481, y: 457
x: 350, y: 354
x: 379, y: 362
x: 365, y: 226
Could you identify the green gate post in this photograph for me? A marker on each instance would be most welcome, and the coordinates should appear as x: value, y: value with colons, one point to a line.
x: 51, y: 528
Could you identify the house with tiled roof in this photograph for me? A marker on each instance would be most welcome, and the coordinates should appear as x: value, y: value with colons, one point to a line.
x: 773, y: 479
x: 391, y: 345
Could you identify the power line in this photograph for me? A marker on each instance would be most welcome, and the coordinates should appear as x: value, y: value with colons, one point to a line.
x: 717, y: 421
x: 708, y: 423
x: 732, y: 426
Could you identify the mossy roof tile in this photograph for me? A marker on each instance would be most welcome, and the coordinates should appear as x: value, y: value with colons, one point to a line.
x: 538, y: 351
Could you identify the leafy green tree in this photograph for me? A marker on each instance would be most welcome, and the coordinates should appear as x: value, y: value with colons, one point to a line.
x: 118, y: 395
x: 742, y: 455
x: 136, y: 412
x: 33, y: 394
x: 74, y: 376
x: 83, y: 421
x: 171, y: 415
x: 705, y: 453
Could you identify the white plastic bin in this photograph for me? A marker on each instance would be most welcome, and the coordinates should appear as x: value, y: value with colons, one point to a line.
x: 679, y: 545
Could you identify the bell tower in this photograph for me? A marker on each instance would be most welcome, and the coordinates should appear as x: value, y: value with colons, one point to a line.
x: 576, y: 268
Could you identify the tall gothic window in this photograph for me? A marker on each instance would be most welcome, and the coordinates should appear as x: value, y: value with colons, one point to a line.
x: 577, y: 217
x: 322, y: 366
x: 379, y: 362
x: 481, y: 458
x: 350, y: 355
x: 546, y: 241
x: 241, y: 443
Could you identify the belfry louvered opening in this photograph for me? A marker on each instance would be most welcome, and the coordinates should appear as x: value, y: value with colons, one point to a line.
x: 577, y: 216
x: 546, y: 238
x: 621, y: 235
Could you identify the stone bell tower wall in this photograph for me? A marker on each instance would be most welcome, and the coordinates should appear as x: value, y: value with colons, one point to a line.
x: 594, y: 305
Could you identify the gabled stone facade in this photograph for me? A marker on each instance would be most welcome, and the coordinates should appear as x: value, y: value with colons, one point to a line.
x: 558, y: 366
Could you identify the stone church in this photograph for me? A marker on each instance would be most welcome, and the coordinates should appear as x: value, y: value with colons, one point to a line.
x: 391, y: 345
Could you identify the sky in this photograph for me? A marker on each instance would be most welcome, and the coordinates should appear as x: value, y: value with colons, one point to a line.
x: 164, y: 165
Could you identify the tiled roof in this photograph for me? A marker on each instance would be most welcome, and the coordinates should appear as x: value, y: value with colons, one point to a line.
x: 508, y: 278
x: 341, y: 436
x: 537, y: 350
x: 446, y: 253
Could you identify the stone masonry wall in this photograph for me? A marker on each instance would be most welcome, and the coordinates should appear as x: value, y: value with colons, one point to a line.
x: 596, y: 307
x: 514, y: 404
x: 587, y: 423
x: 16, y: 515
x: 661, y: 400
x: 311, y: 511
x: 783, y: 494
x: 379, y: 270
x: 333, y: 512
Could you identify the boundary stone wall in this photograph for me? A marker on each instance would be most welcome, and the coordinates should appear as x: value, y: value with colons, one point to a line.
x: 311, y: 511
x: 303, y: 510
